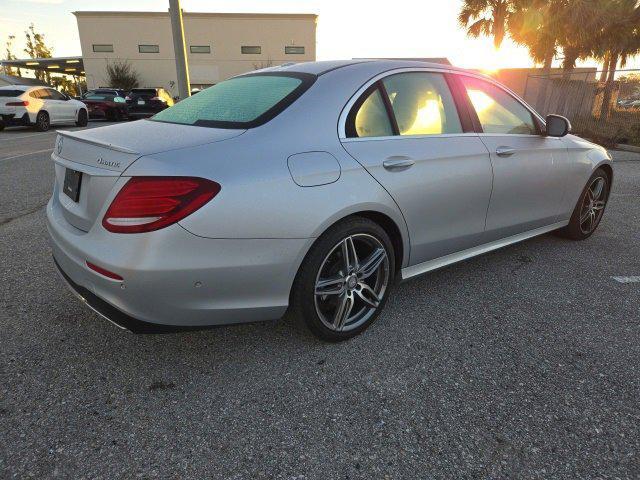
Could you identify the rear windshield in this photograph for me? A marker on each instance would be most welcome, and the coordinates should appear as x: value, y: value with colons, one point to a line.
x: 240, y: 102
x: 11, y: 93
x: 148, y: 91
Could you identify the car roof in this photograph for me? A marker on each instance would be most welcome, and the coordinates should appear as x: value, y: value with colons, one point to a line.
x: 324, y: 67
x: 24, y: 88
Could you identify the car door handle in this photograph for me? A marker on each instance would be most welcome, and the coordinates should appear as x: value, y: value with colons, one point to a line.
x: 397, y: 163
x: 505, y: 151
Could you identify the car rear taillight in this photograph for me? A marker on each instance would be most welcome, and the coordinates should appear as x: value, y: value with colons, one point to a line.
x: 146, y: 204
x: 23, y: 103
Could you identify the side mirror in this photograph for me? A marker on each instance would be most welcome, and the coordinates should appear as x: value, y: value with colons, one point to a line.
x: 557, y: 126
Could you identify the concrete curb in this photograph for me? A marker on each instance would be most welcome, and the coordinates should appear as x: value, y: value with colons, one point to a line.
x: 627, y: 148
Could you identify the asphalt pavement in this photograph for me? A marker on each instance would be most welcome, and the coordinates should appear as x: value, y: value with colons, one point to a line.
x: 522, y: 363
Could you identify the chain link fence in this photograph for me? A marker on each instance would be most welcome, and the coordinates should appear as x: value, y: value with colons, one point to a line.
x: 606, y: 111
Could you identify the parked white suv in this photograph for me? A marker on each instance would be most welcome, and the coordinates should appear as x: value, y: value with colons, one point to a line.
x: 39, y: 107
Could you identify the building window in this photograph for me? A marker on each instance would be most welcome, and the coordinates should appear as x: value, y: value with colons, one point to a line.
x: 102, y: 48
x: 291, y: 50
x: 251, y: 50
x: 148, y: 49
x: 200, y: 49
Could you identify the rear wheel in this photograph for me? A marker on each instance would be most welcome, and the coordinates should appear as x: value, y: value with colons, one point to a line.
x: 42, y: 122
x: 589, y: 210
x: 1, y: 126
x: 83, y: 118
x: 345, y: 279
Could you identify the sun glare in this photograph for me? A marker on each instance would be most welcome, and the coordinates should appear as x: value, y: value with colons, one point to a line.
x: 480, y: 100
x: 428, y: 120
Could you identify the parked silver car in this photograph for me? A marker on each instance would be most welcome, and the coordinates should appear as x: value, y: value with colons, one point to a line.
x: 311, y: 187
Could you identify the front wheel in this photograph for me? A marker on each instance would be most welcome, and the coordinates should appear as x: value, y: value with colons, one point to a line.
x: 589, y: 210
x: 83, y: 118
x: 345, y: 279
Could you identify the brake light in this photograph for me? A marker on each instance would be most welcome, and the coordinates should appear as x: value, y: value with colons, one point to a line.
x: 146, y: 204
x: 23, y: 103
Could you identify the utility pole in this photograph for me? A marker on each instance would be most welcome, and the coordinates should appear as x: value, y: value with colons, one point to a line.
x: 182, y: 68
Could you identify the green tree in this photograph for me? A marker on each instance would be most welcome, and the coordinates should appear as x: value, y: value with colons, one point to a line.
x: 120, y: 74
x: 10, y: 56
x: 486, y: 17
x: 37, y: 48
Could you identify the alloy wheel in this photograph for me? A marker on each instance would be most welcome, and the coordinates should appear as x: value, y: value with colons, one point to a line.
x: 351, y: 282
x: 593, y: 205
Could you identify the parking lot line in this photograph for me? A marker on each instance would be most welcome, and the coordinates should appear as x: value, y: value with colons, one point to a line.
x: 27, y: 154
x: 22, y: 137
x: 634, y: 279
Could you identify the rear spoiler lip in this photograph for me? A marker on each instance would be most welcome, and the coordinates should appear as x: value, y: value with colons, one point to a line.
x: 111, y: 146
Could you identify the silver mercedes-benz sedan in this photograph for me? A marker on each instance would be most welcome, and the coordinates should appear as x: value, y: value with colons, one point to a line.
x: 311, y: 188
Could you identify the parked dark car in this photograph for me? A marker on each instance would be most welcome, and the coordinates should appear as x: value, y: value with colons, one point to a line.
x: 145, y: 102
x: 118, y: 92
x: 106, y: 106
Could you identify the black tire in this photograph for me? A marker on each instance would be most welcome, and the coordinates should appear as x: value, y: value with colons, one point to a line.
x: 83, y: 118
x: 304, y: 302
x: 1, y: 126
x: 42, y: 122
x: 114, y: 115
x: 577, y: 227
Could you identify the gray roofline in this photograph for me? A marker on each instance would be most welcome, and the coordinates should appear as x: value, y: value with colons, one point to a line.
x: 89, y: 13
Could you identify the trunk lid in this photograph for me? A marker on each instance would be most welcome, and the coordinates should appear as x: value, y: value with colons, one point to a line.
x: 103, y: 154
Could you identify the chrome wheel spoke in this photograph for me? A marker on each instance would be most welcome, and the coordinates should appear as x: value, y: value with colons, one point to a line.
x: 343, y: 311
x: 350, y: 255
x: 598, y: 188
x: 585, y: 216
x: 330, y: 286
x: 371, y: 264
x: 368, y: 296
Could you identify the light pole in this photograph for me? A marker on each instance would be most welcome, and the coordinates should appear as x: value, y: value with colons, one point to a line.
x: 182, y: 68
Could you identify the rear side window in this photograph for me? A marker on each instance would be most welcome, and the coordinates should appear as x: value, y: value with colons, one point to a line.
x: 498, y: 111
x: 371, y: 118
x: 240, y: 102
x: 422, y: 104
x: 11, y: 93
x: 411, y: 103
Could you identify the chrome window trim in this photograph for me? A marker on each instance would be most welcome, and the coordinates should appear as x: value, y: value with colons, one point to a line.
x: 342, y: 120
x: 404, y: 137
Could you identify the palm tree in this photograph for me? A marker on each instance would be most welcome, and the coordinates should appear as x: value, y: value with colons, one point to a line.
x: 486, y: 17
x: 616, y: 42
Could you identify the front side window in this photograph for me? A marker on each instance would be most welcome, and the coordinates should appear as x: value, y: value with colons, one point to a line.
x: 55, y: 95
x: 149, y: 48
x: 422, y: 104
x: 240, y: 102
x: 498, y: 111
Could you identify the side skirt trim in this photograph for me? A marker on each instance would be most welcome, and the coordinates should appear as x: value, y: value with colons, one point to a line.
x: 436, y: 263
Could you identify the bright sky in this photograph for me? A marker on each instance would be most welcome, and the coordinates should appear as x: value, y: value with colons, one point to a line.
x: 346, y: 28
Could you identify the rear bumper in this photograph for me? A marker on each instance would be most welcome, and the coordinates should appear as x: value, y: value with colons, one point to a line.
x: 173, y: 278
x: 11, y: 120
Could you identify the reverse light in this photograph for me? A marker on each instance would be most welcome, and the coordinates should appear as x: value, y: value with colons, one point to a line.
x: 146, y: 204
x: 23, y: 103
x: 103, y: 271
